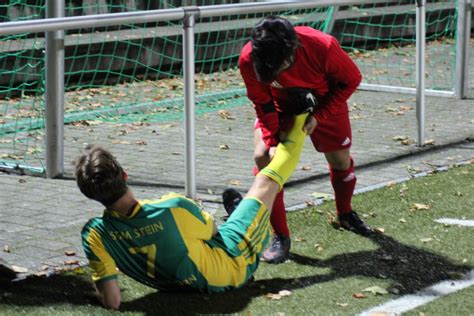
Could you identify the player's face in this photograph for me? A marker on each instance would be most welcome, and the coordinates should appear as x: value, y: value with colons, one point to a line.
x: 286, y: 64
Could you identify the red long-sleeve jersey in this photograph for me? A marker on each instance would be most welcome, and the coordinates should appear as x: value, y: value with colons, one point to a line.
x: 320, y: 64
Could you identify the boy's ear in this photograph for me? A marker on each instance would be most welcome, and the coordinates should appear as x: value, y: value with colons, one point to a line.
x: 125, y: 175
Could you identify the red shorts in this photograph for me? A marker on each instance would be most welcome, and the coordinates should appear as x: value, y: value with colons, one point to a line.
x: 333, y: 134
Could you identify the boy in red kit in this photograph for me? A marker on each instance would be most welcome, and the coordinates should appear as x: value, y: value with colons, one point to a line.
x: 281, y: 66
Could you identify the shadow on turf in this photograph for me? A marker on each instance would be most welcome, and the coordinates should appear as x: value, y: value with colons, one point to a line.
x: 410, y: 269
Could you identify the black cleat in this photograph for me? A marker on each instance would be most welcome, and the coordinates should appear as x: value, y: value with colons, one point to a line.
x: 352, y: 222
x: 231, y: 199
x: 278, y: 251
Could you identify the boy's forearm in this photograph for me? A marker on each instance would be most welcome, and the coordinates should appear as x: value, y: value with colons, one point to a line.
x: 108, y: 293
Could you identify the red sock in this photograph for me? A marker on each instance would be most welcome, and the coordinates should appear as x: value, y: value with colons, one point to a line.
x: 278, y: 215
x: 343, y: 182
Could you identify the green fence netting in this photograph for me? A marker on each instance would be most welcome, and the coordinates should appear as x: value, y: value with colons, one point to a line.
x: 131, y: 73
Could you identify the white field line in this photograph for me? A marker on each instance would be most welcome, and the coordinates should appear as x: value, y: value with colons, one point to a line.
x: 412, y: 301
x: 456, y: 221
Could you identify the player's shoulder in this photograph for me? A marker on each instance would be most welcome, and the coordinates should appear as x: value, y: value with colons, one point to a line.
x: 308, y: 35
x: 95, y: 224
x: 245, y: 54
x: 169, y: 201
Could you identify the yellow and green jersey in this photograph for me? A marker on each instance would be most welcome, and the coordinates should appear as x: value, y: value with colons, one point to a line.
x: 168, y: 244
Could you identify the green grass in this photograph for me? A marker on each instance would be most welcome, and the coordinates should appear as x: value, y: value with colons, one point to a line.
x: 327, y: 266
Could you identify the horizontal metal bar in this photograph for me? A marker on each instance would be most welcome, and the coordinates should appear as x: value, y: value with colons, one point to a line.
x: 100, y: 20
x: 406, y: 90
x: 89, y: 21
x: 163, y: 31
x: 258, y: 7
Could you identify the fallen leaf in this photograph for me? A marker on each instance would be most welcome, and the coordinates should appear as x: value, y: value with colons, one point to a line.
x: 71, y: 262
x: 342, y: 304
x: 418, y: 207
x: 309, y: 203
x: 209, y: 191
x: 359, y: 295
x: 11, y: 156
x: 391, y: 184
x: 225, y: 115
x: 402, y: 220
x: 319, y: 248
x: 224, y: 147
x: 279, y: 295
x: 321, y: 195
x: 413, y: 169
x: 426, y: 240
x: 6, y: 248
x: 305, y: 168
x: 284, y: 293
x: 379, y: 230
x: 121, y: 142
x: 300, y: 239
x: 70, y: 253
x: 141, y: 142
x: 234, y: 182
x: 376, y: 290
x: 332, y: 220
x: 400, y: 138
x: 18, y: 269
x: 41, y: 274
x: 430, y: 142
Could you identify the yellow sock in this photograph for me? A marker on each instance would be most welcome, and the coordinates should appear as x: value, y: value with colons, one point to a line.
x: 287, y: 153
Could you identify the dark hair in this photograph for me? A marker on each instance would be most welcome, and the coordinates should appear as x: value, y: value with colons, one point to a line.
x: 99, y: 176
x: 273, y: 42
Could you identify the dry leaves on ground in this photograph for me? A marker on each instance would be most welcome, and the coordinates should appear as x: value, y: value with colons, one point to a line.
x: 376, y: 290
x: 279, y: 295
x: 419, y: 207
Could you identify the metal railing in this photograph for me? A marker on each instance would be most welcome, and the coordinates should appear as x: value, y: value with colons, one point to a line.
x: 55, y: 25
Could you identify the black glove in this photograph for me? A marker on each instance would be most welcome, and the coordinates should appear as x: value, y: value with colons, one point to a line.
x: 301, y: 100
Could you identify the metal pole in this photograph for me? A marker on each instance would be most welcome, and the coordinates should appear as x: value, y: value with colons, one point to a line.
x: 189, y: 103
x: 420, y: 69
x: 333, y: 19
x: 98, y: 20
x: 54, y: 93
x: 462, y: 48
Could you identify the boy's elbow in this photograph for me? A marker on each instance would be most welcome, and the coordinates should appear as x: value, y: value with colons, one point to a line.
x: 112, y: 303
